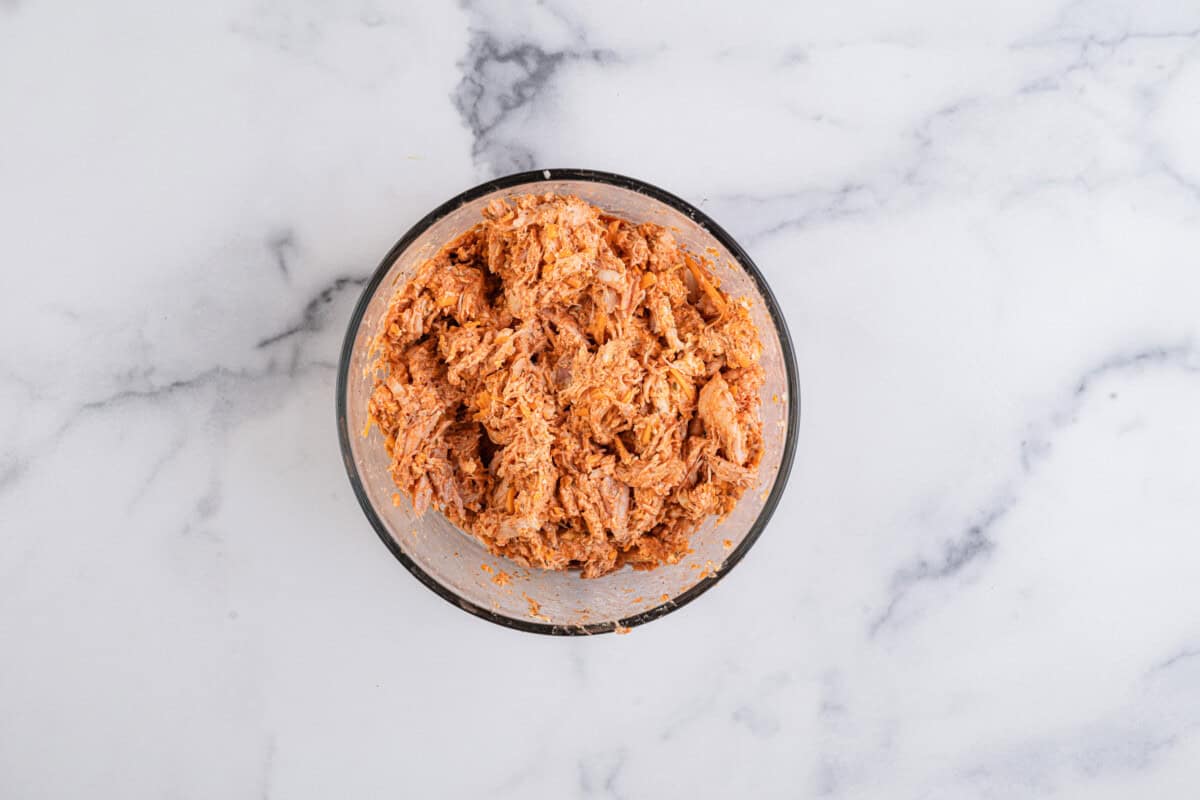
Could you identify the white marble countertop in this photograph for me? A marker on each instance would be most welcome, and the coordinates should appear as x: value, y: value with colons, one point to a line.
x: 984, y: 226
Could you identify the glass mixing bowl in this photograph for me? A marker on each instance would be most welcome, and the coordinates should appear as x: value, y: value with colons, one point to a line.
x: 453, y: 563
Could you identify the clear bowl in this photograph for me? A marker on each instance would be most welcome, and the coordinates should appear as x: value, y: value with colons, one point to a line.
x: 454, y: 564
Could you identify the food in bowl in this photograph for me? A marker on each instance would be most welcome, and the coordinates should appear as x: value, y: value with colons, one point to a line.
x: 573, y: 389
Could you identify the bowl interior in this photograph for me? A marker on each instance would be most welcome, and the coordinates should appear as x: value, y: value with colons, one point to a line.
x: 459, y: 567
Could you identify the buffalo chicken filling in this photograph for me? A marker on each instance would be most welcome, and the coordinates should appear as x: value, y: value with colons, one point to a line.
x: 573, y: 389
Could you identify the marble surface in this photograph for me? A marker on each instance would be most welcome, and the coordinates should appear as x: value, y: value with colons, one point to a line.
x: 983, y: 223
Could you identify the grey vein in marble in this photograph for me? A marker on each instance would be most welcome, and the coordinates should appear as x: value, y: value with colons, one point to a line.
x: 598, y: 774
x: 1178, y: 658
x: 171, y: 452
x: 313, y: 317
x: 975, y: 542
x: 283, y: 248
x: 486, y: 96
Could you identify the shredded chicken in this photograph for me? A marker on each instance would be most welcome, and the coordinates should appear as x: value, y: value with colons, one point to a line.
x: 573, y: 389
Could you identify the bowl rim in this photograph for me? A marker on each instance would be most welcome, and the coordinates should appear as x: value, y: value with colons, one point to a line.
x: 734, y: 249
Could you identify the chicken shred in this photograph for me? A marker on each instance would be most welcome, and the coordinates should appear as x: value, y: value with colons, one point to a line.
x: 573, y: 389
